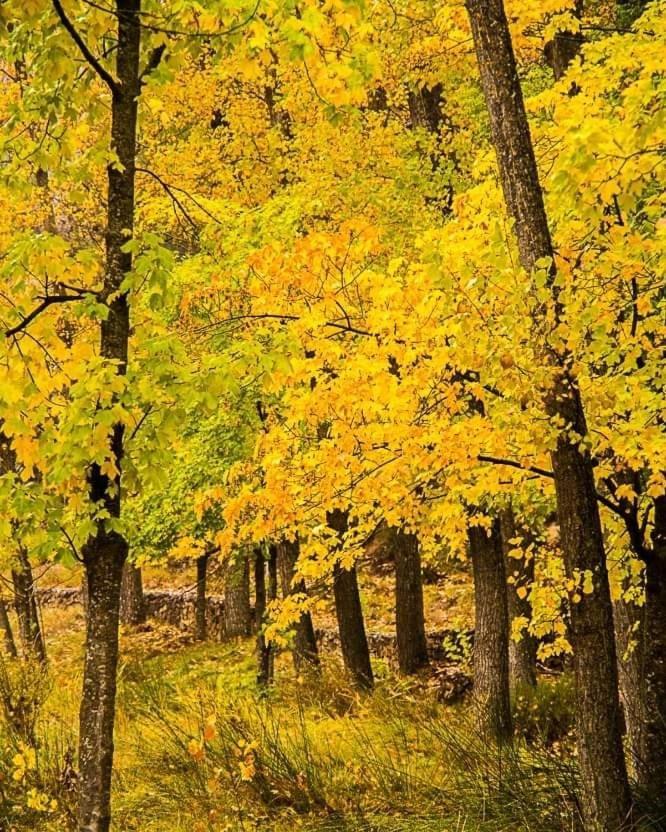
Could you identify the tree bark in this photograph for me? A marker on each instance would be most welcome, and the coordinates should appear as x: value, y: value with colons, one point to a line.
x: 263, y: 650
x: 523, y: 653
x: 305, y: 651
x: 8, y: 635
x: 105, y: 552
x: 491, y: 633
x: 353, y: 640
x: 606, y: 799
x: 629, y: 620
x: 564, y: 47
x: 237, y: 613
x: 349, y: 613
x: 409, y: 617
x: 272, y: 596
x: 27, y: 612
x: 200, y: 604
x: 104, y: 567
x: 132, y: 607
x: 651, y: 771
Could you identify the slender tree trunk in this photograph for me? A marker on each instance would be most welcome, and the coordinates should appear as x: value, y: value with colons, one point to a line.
x: 8, y: 635
x: 272, y: 596
x: 491, y: 633
x: 409, y: 618
x: 237, y: 613
x: 105, y: 552
x: 606, y: 799
x: 27, y: 612
x: 200, y: 603
x: 132, y: 607
x: 349, y: 613
x: 305, y: 651
x: 263, y: 650
x: 651, y: 772
x: 523, y: 653
x: 629, y: 620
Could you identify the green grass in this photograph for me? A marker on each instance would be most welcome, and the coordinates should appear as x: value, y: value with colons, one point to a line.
x: 198, y: 748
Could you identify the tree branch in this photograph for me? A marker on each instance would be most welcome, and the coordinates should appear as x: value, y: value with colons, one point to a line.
x: 106, y: 76
x: 46, y: 302
x: 153, y: 62
x: 543, y: 472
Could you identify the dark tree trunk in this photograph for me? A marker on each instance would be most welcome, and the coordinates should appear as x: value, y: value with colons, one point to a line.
x: 263, y: 649
x: 523, y: 653
x: 105, y: 552
x: 305, y: 650
x: 27, y: 612
x: 606, y: 799
x: 651, y: 774
x: 272, y: 596
x: 132, y: 607
x: 237, y: 613
x: 349, y: 613
x: 491, y: 633
x: 6, y: 627
x: 409, y: 619
x: 200, y: 604
x: 564, y: 47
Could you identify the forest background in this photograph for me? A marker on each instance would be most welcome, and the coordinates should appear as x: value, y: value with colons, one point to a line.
x: 347, y: 311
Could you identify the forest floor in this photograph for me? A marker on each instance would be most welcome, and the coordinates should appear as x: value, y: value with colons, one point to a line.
x: 199, y: 748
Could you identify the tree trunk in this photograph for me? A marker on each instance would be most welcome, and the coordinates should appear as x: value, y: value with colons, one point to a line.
x: 564, y: 47
x: 651, y: 773
x: 27, y: 612
x: 237, y: 613
x: 104, y: 566
x: 606, y: 799
x: 8, y: 635
x: 491, y: 633
x: 272, y: 596
x: 105, y: 552
x: 630, y: 637
x: 132, y: 607
x: 200, y: 603
x: 523, y: 653
x: 409, y: 618
x: 305, y: 651
x: 349, y: 613
x: 263, y: 650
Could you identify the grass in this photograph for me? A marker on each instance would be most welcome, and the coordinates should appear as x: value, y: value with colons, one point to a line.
x: 199, y: 748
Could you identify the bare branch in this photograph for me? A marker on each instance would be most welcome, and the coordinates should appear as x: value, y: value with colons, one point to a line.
x: 543, y: 472
x: 106, y: 76
x: 46, y: 302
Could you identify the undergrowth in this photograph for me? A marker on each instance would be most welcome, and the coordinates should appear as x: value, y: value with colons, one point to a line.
x: 198, y: 748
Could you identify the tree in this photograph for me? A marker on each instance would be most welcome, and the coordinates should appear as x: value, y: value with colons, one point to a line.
x: 606, y: 796
x: 237, y: 612
x: 409, y: 619
x: 105, y: 552
x: 520, y: 575
x: 132, y: 607
x: 200, y: 608
x: 305, y: 651
x: 491, y: 632
x: 349, y: 612
x: 27, y: 612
